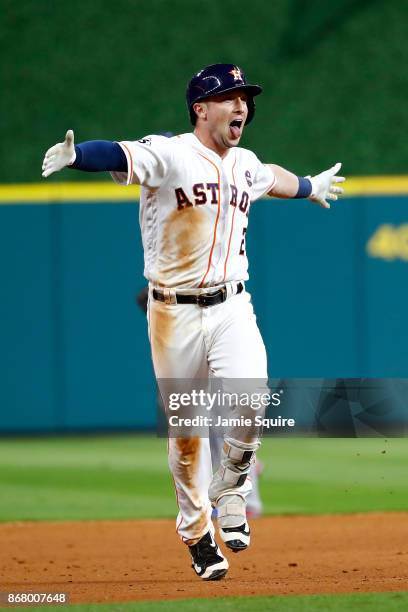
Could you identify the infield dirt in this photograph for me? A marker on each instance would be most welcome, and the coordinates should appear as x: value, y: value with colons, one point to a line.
x: 112, y: 561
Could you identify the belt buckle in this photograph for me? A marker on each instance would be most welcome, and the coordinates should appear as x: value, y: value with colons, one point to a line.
x: 202, y: 300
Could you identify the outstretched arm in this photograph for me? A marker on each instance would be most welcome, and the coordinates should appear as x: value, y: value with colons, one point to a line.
x: 91, y: 156
x: 318, y: 189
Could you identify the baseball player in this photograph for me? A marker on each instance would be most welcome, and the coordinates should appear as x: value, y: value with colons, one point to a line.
x: 196, y: 193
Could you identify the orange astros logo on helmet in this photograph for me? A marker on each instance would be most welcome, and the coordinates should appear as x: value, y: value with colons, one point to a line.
x: 236, y: 73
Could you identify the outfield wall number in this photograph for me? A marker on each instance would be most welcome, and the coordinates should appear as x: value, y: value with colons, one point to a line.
x: 389, y: 242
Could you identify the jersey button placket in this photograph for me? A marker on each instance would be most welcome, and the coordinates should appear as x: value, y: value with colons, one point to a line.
x: 212, y: 276
x: 222, y: 236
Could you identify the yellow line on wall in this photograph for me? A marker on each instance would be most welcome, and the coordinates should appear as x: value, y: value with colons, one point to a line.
x: 97, y: 192
x: 54, y: 193
x: 376, y: 185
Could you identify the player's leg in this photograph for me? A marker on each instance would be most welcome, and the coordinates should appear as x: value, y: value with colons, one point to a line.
x: 253, y: 499
x: 238, y: 357
x: 179, y: 353
x: 237, y: 349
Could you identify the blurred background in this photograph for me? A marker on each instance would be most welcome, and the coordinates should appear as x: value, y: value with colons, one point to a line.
x: 329, y: 287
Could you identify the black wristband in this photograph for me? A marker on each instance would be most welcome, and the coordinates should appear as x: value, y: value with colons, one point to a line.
x: 305, y: 187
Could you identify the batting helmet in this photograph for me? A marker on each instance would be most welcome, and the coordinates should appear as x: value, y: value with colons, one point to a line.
x: 217, y: 79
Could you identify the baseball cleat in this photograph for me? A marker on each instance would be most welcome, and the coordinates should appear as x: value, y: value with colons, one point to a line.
x: 236, y: 538
x: 232, y: 524
x: 208, y: 562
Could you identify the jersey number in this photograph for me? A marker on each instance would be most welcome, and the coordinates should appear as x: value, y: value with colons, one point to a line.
x: 242, y: 248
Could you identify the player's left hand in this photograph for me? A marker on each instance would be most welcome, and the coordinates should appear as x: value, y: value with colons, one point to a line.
x: 324, y: 186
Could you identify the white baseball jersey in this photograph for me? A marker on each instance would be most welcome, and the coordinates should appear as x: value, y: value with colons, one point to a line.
x: 194, y: 208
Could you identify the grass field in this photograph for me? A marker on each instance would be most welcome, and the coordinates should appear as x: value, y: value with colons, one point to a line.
x: 120, y: 476
x: 126, y: 476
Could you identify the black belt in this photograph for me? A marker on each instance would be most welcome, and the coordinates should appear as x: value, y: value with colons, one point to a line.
x: 203, y: 299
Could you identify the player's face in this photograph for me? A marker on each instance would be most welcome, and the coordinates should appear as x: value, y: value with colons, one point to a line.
x: 223, y: 120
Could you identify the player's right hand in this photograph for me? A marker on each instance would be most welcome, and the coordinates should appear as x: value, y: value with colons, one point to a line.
x: 60, y: 155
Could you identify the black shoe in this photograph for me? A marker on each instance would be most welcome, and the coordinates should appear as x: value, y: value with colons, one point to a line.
x: 208, y: 561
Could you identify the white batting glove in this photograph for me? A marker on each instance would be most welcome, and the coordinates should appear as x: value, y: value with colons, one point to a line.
x: 324, y: 186
x: 60, y: 155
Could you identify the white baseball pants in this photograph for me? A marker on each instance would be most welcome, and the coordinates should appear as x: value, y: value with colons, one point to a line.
x: 191, y: 342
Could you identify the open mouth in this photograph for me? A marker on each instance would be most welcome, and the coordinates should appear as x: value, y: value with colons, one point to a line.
x: 235, y: 128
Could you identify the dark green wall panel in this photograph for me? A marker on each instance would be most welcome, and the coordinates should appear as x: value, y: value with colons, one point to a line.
x: 74, y: 349
x: 28, y: 368
x: 303, y: 271
x: 108, y: 380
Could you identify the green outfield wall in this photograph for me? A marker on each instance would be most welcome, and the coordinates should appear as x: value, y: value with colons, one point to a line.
x: 334, y: 77
x: 329, y: 289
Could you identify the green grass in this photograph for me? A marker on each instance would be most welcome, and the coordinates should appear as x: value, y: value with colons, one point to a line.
x: 371, y: 602
x: 118, y: 477
x: 334, y: 475
x: 85, y: 478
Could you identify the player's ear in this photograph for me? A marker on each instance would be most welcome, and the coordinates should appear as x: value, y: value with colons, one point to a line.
x: 200, y: 109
